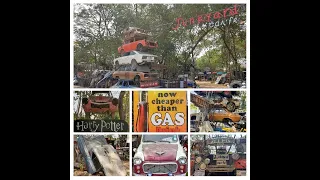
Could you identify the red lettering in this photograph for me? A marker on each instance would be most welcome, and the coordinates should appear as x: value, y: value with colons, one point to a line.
x: 232, y: 12
x: 217, y: 15
x: 208, y: 17
x: 191, y: 21
x: 184, y: 23
x: 178, y: 23
x: 200, y: 19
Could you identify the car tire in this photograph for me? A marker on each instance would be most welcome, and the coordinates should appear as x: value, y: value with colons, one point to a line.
x: 139, y: 47
x: 231, y: 106
x: 115, y: 101
x: 226, y: 120
x: 117, y: 65
x: 235, y: 86
x: 136, y: 80
x: 134, y: 65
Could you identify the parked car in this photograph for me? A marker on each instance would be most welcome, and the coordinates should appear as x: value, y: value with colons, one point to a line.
x: 160, y: 155
x: 223, y: 115
x: 135, y: 58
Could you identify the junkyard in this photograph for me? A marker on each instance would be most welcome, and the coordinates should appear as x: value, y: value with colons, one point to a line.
x: 127, y: 47
x: 218, y: 155
x: 218, y: 111
x: 101, y: 155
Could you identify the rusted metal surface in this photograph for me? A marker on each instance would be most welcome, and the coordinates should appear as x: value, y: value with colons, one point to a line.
x: 100, y: 156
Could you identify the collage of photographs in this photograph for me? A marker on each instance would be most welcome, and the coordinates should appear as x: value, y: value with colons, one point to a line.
x: 159, y: 89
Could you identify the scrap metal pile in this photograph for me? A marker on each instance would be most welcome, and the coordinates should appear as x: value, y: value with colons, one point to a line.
x: 211, y: 155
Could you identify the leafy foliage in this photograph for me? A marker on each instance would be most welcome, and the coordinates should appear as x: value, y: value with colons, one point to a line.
x: 98, y: 33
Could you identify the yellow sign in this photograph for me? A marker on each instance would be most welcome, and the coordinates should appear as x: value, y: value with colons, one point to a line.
x: 167, y: 111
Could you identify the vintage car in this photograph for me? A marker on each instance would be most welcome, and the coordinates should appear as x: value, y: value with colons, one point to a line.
x: 100, y: 104
x: 139, y: 45
x: 160, y: 155
x: 135, y: 76
x: 136, y: 39
x: 135, y: 58
x: 223, y: 115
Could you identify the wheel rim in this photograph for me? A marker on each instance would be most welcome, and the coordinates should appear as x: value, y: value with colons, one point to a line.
x: 230, y: 106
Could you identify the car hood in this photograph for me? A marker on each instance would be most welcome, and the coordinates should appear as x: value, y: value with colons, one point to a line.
x: 160, y: 152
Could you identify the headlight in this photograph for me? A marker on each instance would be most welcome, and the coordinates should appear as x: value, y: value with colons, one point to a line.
x: 182, y: 160
x: 137, y: 161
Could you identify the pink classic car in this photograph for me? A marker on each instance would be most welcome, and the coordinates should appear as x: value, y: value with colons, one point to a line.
x: 160, y: 155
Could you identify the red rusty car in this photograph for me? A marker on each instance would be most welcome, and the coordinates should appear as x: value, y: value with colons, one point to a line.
x: 100, y: 104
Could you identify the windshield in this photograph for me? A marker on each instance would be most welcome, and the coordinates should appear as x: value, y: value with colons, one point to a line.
x: 160, y: 138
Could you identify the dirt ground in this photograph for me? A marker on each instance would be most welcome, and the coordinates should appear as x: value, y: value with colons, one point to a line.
x: 78, y: 172
x: 209, y: 84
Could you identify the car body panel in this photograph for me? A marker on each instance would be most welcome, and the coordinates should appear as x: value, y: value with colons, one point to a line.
x: 130, y: 75
x: 219, y: 114
x: 140, y: 57
x: 131, y: 46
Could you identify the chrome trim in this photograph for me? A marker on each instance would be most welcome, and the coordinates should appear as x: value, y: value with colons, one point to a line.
x: 161, y: 164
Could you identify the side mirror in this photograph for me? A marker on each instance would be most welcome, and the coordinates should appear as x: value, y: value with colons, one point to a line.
x: 135, y: 150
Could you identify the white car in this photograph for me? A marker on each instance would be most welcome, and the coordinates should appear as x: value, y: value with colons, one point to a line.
x: 134, y: 58
x: 160, y: 155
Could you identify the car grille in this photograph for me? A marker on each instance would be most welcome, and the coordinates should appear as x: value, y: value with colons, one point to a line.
x: 159, y: 168
x: 152, y: 44
x: 102, y: 105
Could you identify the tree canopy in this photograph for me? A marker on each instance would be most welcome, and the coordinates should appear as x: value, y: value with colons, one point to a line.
x: 98, y: 33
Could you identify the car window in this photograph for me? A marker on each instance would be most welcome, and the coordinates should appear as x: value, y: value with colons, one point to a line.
x: 222, y: 111
x: 132, y: 53
x: 121, y: 68
x: 126, y: 54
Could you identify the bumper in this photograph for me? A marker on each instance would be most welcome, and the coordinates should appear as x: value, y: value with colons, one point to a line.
x: 158, y: 174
